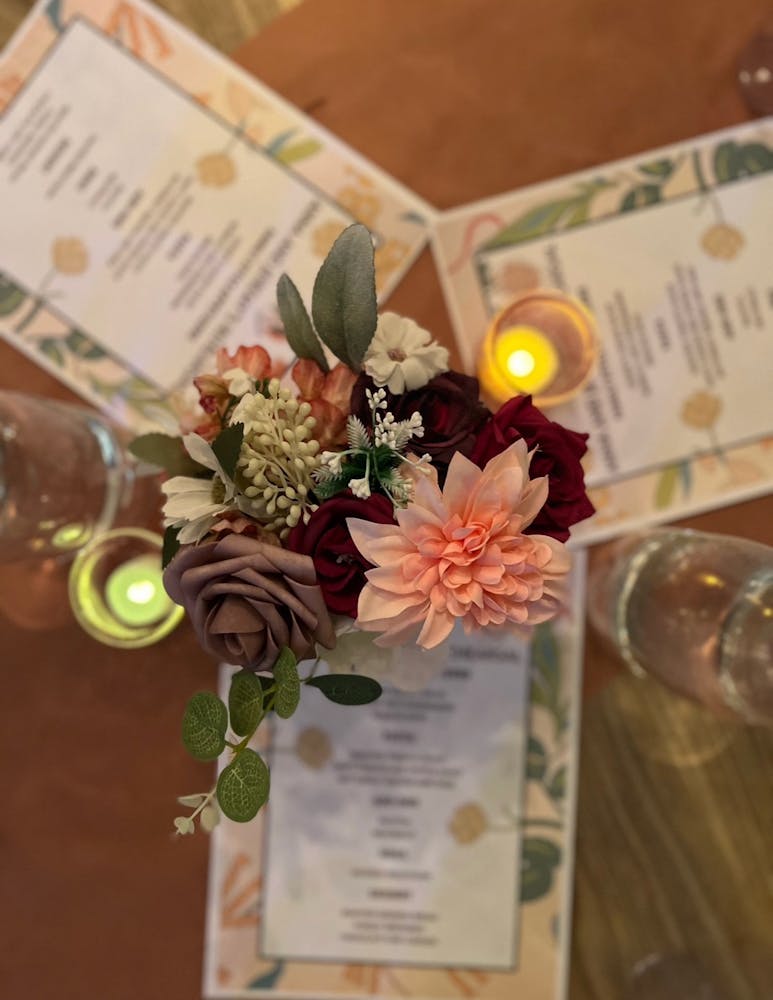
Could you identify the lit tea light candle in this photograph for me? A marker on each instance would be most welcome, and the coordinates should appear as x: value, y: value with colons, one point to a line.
x: 526, y: 358
x: 542, y: 344
x: 135, y: 592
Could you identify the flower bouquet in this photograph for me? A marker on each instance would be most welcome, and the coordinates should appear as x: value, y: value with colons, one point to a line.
x: 377, y: 497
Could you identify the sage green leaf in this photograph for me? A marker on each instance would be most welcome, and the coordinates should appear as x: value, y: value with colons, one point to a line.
x: 288, y: 684
x: 243, y: 786
x: 297, y: 325
x: 245, y: 702
x: 539, y: 858
x: 166, y: 452
x: 343, y: 303
x: 184, y: 825
x: 638, y: 197
x: 227, y: 446
x: 347, y: 689
x: 204, y: 724
x: 209, y: 817
x: 170, y: 545
x: 728, y: 163
x: 536, y: 760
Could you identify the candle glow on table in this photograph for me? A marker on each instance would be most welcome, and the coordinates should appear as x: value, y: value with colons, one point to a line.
x: 526, y: 358
x: 135, y: 592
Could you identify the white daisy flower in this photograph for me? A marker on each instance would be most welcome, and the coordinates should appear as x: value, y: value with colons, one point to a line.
x: 402, y: 356
x: 193, y: 504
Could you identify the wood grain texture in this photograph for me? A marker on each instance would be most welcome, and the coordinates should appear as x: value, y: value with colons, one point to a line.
x: 674, y: 852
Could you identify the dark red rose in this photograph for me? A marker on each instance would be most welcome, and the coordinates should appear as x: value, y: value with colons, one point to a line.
x: 450, y: 409
x: 557, y: 456
x: 339, y: 566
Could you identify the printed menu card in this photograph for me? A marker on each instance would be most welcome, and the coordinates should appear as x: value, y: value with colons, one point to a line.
x: 418, y: 847
x: 152, y: 194
x: 670, y: 250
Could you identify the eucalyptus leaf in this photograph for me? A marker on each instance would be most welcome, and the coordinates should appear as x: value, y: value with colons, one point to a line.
x: 192, y: 801
x: 245, y: 702
x: 184, y: 825
x: 209, y: 818
x: 347, y: 689
x: 343, y: 303
x: 204, y: 724
x: 166, y: 452
x: 227, y: 446
x: 297, y: 325
x: 288, y: 684
x: 243, y: 786
x: 170, y: 545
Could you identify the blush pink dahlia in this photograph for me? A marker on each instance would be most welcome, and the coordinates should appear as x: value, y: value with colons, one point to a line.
x: 461, y: 553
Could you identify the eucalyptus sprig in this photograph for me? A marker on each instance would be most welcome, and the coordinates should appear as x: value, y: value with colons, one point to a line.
x: 210, y: 727
x: 343, y: 303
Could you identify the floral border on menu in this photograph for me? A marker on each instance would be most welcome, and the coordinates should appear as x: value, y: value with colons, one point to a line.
x: 233, y: 969
x: 466, y: 241
x: 398, y: 218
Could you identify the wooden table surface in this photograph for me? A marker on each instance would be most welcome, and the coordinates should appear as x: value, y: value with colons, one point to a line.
x: 459, y: 99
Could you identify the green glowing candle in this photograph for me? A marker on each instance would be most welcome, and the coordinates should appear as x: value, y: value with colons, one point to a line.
x: 135, y: 592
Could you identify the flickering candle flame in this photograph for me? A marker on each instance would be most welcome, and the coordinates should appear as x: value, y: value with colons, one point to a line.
x: 525, y: 358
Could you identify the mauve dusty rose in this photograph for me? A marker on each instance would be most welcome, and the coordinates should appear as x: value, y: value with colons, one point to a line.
x: 246, y: 600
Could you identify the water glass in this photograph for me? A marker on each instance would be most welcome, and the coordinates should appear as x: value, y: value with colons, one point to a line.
x: 695, y: 610
x: 64, y: 476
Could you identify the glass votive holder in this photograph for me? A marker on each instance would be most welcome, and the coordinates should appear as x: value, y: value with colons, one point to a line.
x: 116, y: 589
x: 543, y: 344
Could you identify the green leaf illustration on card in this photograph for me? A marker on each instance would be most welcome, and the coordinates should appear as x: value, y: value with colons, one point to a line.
x: 756, y: 158
x: 51, y: 347
x: 83, y: 347
x: 546, y: 676
x: 666, y: 487
x: 728, y: 164
x: 658, y: 168
x: 539, y: 858
x: 298, y: 151
x: 549, y: 216
x: 11, y: 297
x: 556, y: 787
x: 243, y: 786
x: 638, y: 197
x: 268, y: 980
x: 536, y: 760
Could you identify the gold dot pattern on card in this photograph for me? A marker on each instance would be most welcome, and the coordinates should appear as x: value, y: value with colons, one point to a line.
x: 313, y: 747
x: 701, y: 410
x: 722, y: 241
x: 468, y: 823
x: 216, y: 170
